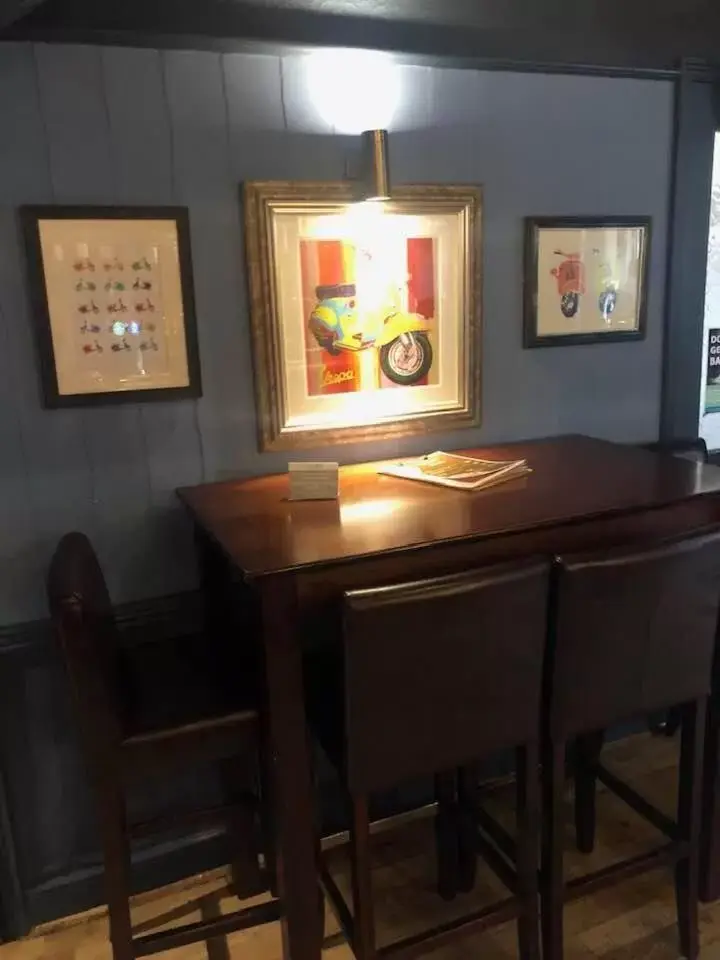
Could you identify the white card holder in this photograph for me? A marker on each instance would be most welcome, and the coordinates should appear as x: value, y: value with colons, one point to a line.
x: 313, y: 480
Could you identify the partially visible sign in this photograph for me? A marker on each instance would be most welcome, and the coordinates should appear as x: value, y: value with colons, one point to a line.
x: 712, y: 374
x: 713, y: 356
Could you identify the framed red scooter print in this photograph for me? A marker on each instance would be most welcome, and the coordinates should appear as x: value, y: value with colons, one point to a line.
x: 365, y: 316
x: 585, y: 279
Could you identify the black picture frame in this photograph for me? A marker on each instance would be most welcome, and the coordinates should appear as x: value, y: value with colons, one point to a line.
x: 533, y: 225
x: 30, y: 216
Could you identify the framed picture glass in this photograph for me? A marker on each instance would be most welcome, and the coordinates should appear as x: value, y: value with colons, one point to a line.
x: 585, y: 279
x: 113, y: 303
x: 364, y: 316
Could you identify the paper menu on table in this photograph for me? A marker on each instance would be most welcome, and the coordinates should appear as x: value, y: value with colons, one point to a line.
x: 455, y: 470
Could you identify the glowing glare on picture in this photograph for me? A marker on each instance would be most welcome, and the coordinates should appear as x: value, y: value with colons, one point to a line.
x: 365, y: 215
x: 353, y: 90
x: 368, y: 370
x: 380, y: 242
x: 373, y: 406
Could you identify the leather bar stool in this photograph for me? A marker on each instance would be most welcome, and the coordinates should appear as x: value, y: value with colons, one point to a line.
x: 633, y: 631
x: 145, y: 712
x: 431, y: 676
x: 693, y: 449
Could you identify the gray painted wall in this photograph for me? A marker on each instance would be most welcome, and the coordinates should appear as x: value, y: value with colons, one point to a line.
x: 90, y: 125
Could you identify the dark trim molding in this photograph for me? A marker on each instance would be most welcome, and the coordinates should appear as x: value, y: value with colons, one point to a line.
x: 153, y: 867
x: 140, y: 621
x: 598, y: 39
x: 14, y: 10
x: 691, y: 178
x: 485, y: 55
x: 25, y: 645
x: 13, y: 914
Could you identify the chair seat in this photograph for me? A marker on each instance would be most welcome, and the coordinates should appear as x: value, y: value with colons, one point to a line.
x: 170, y: 685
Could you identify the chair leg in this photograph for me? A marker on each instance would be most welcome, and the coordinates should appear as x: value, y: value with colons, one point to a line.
x: 672, y: 723
x: 321, y: 891
x: 446, y: 836
x: 689, y: 799
x: 587, y: 757
x: 552, y: 892
x: 237, y: 779
x: 467, y: 828
x: 528, y: 820
x: 363, y: 918
x: 116, y: 853
x: 267, y: 821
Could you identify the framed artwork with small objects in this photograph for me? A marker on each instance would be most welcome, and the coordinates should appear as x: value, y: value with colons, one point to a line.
x: 113, y: 303
x: 586, y: 279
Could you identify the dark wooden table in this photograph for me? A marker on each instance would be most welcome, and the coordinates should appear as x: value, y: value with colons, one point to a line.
x: 298, y: 556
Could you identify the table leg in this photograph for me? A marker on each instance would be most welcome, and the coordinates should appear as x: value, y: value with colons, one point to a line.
x: 229, y: 611
x: 232, y: 647
x: 297, y: 875
x: 710, y: 827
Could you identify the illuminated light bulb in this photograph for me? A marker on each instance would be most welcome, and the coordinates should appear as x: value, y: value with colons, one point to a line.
x: 353, y: 90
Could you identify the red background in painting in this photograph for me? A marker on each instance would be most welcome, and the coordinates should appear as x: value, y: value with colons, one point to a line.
x: 421, y: 283
x: 325, y: 262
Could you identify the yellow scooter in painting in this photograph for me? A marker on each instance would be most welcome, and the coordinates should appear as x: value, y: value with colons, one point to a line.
x: 401, y: 338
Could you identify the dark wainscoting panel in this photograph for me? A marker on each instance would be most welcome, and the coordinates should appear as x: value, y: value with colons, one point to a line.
x: 50, y: 863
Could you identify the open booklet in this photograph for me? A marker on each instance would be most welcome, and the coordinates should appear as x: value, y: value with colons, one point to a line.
x: 453, y: 470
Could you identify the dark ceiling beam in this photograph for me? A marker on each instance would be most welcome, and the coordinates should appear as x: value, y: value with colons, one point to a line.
x: 591, y: 37
x: 13, y: 10
x: 616, y: 16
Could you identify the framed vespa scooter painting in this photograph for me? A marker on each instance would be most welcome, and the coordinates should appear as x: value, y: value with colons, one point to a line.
x: 365, y: 316
x: 585, y: 279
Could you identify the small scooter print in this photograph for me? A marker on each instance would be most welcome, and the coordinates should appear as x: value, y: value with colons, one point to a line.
x: 570, y: 276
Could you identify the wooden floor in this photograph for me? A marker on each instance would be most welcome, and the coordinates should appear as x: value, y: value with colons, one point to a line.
x: 633, y: 920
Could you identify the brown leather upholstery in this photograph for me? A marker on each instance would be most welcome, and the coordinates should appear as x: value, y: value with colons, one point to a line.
x: 693, y: 448
x: 430, y: 676
x: 430, y: 668
x: 634, y: 632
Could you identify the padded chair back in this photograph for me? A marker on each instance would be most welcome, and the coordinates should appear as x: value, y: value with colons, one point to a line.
x: 443, y: 671
x: 84, y: 624
x: 693, y: 448
x: 634, y: 632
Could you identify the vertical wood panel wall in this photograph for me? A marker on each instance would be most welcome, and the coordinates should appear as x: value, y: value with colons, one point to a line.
x: 91, y: 125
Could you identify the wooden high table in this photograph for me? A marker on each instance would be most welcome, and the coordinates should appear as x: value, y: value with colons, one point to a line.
x: 299, y: 556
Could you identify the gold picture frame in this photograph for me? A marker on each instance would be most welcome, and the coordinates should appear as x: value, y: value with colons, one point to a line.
x: 365, y: 318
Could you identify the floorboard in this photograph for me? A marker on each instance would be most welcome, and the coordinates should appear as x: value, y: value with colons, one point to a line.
x: 633, y: 920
